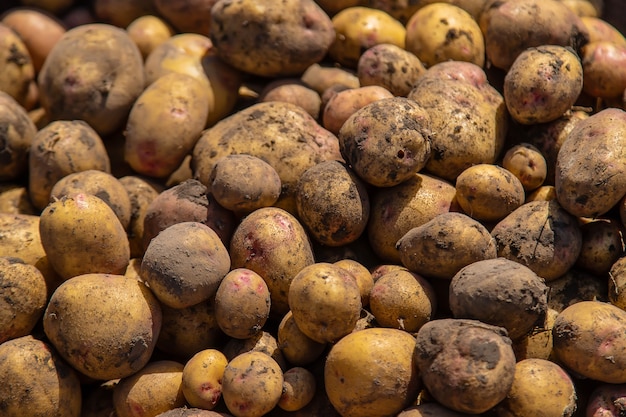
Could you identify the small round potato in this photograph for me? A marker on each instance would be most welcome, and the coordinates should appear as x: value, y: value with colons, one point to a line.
x: 147, y: 32
x: 294, y: 91
x: 202, y: 378
x: 298, y: 389
x: 363, y: 277
x: 603, y: 245
x: 298, y: 348
x: 527, y: 163
x: 342, y: 104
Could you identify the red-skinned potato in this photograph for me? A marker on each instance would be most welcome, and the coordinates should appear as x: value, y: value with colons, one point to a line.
x: 601, y: 63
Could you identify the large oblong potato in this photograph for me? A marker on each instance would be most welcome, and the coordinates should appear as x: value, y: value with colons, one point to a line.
x: 264, y: 38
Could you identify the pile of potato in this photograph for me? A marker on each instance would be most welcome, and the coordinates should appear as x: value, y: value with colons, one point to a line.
x: 354, y: 208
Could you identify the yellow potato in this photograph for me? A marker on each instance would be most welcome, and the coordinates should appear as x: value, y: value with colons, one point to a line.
x: 202, y: 378
x: 298, y: 389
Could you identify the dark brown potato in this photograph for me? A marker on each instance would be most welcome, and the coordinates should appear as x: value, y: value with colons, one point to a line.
x: 187, y: 15
x: 122, y: 12
x: 577, y: 285
x: 603, y: 245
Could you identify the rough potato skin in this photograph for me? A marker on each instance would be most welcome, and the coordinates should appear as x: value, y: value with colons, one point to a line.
x: 268, y: 39
x: 17, y: 131
x: 466, y: 365
x: 18, y: 71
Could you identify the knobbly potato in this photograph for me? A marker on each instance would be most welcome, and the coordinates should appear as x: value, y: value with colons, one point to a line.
x: 602, y: 246
x: 325, y: 301
x: 321, y: 78
x: 363, y: 277
x: 391, y: 67
x: 359, y: 28
x: 527, y: 163
x: 478, y: 355
x: 243, y: 183
x: 75, y: 328
x: 440, y: 32
x: 202, y: 378
x: 332, y: 203
x: 164, y: 124
x: 298, y: 389
x: 274, y: 244
x: 295, y: 92
x: 187, y: 15
x: 301, y: 33
x: 93, y: 73
x: 59, y: 149
x: 372, y: 372
x: 543, y: 83
x: 387, y: 141
x: 18, y: 71
x: 346, y: 102
x: 476, y: 292
x: 154, y: 389
x: 440, y: 247
x: 252, y: 384
x: 588, y: 341
x: 590, y: 173
x: 297, y: 348
x: 81, y: 234
x: 23, y: 298
x: 263, y: 342
x: 396, y: 210
x: 242, y: 303
x: 183, y: 284
x: 488, y: 192
x: 540, y: 235
x: 36, y: 376
x: 149, y: 31
x: 601, y: 61
x: 17, y: 134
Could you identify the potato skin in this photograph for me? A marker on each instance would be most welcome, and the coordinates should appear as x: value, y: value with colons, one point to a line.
x: 17, y: 134
x: 149, y: 31
x: 601, y: 61
x: 202, y: 376
x: 297, y: 348
x: 18, y: 72
x: 527, y: 163
x: 342, y: 104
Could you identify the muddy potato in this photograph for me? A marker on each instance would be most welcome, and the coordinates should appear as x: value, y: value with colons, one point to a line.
x: 398, y: 209
x: 590, y: 169
x: 606, y: 400
x: 243, y: 183
x: 577, y: 285
x: 500, y: 292
x: 488, y: 192
x: 372, y: 372
x: 182, y: 284
x: 321, y: 78
x: 479, y: 356
x: 93, y: 73
x: 75, y: 327
x: 344, y: 103
x: 441, y: 32
x: 23, y: 298
x: 149, y: 31
x: 164, y: 124
x: 35, y: 375
x: 617, y: 283
x: 440, y: 247
x: 363, y: 277
x: 154, y: 389
x: 301, y: 33
x: 18, y: 132
x: 59, y: 149
x: 298, y: 389
x: 252, y: 384
x: 202, y: 378
x: 18, y: 70
x: 297, y: 348
x: 332, y: 203
x: 543, y: 83
x: 602, y: 246
x: 527, y: 163
x: 294, y: 91
x: 540, y: 388
x: 588, y: 341
x: 601, y: 62
x: 187, y: 15
x: 325, y: 301
x: 359, y: 28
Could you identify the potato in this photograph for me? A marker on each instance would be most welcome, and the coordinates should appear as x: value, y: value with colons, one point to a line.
x: 93, y: 73
x: 187, y: 15
x: 321, y: 78
x: 202, y: 378
x: 182, y: 284
x: 542, y: 84
x: 81, y: 234
x: 53, y: 6
x: 263, y: 342
x: 589, y: 177
x: 121, y: 13
x: 440, y: 247
x: 18, y: 132
x: 75, y: 327
x: 23, y: 298
x: 252, y: 384
x: 430, y: 409
x: 35, y: 376
x: 38, y: 30
x: 540, y: 388
x: 606, y: 400
x: 511, y: 27
x: 466, y: 365
x: 528, y: 165
x: 149, y: 31
x: 332, y: 203
x: 154, y: 389
x: 359, y: 28
x: 543, y: 193
x: 14, y: 200
x: 588, y: 341
x: 363, y: 277
x: 344, y: 103
x: 297, y: 348
x: 601, y: 61
x: 396, y: 210
x: 164, y: 124
x: 601, y: 30
x: 98, y: 400
x: 18, y: 70
x: 192, y: 412
x: 439, y: 32
x: 243, y: 183
x: 575, y: 286
x: 538, y: 343
x: 372, y: 372
x: 582, y: 8
x: 298, y: 389
x: 325, y: 301
x: 540, y: 235
x: 99, y: 183
x: 301, y: 33
x: 293, y: 91
x: 59, y: 149
x: 242, y: 303
x: 500, y: 292
x: 603, y: 245
x: 282, y: 134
